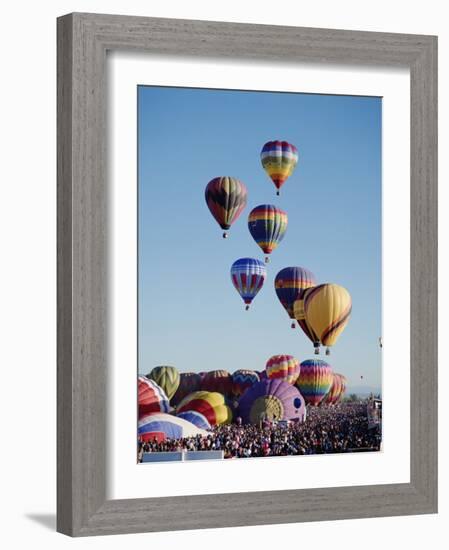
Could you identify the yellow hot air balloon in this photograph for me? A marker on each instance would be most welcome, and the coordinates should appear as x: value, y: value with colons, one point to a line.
x: 327, y: 309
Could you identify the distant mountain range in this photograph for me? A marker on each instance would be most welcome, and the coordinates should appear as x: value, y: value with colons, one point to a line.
x: 362, y: 391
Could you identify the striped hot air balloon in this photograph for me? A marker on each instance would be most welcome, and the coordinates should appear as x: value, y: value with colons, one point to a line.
x: 334, y: 394
x: 212, y: 405
x: 248, y: 276
x: 196, y: 418
x: 279, y: 159
x: 171, y: 427
x: 284, y: 367
x: 243, y: 379
x: 271, y: 400
x: 327, y: 309
x: 166, y: 377
x: 267, y: 224
x: 151, y: 397
x: 290, y: 284
x: 226, y: 199
x: 315, y: 380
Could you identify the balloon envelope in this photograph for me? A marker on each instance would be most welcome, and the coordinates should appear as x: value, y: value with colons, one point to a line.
x: 243, y: 379
x: 171, y: 426
x: 315, y: 380
x: 327, y: 310
x: 188, y: 383
x: 217, y: 381
x: 290, y: 284
x: 284, y: 367
x: 212, y: 405
x: 196, y: 418
x: 279, y: 159
x: 151, y: 397
x: 166, y: 377
x: 267, y: 225
x: 226, y: 198
x: 271, y: 400
x: 248, y: 276
x: 333, y: 395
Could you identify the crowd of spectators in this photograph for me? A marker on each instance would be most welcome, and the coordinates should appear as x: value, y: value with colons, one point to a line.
x: 328, y: 429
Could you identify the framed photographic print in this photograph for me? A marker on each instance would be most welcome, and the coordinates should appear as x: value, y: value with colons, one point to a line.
x: 246, y: 274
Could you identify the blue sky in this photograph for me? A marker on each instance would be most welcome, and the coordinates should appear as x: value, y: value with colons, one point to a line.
x: 190, y: 315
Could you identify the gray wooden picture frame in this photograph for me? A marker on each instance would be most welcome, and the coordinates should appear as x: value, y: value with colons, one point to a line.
x: 83, y: 40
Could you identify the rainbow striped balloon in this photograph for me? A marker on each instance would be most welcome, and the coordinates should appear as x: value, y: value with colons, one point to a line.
x: 315, y: 380
x: 285, y: 367
x: 267, y: 225
x: 279, y: 159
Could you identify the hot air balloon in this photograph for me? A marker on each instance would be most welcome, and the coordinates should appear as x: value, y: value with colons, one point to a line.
x: 243, y: 379
x: 279, y: 159
x: 151, y: 398
x: 212, y: 405
x: 344, y: 384
x: 226, y: 198
x: 271, y: 400
x: 172, y: 427
x: 327, y: 310
x: 217, y: 381
x: 335, y: 391
x: 188, y: 383
x: 267, y: 225
x: 298, y: 310
x: 290, y: 284
x: 284, y: 367
x: 196, y: 418
x: 167, y: 378
x: 314, y: 381
x: 248, y: 276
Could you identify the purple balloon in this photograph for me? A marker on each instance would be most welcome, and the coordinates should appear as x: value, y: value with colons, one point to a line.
x: 271, y: 400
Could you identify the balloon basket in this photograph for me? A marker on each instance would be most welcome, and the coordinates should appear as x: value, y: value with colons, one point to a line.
x: 278, y: 193
x: 225, y: 235
x: 317, y: 351
x: 293, y: 325
x: 328, y: 351
x: 246, y: 307
x: 267, y: 260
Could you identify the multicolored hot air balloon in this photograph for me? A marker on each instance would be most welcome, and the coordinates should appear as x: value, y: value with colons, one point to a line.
x: 279, y: 159
x: 271, y: 400
x: 284, y: 367
x: 188, y: 383
x: 248, y: 276
x: 290, y: 284
x: 217, y: 381
x: 315, y: 380
x: 151, y: 397
x: 267, y: 224
x: 212, y: 405
x: 243, y: 379
x: 167, y: 378
x: 226, y: 199
x: 196, y: 418
x: 327, y: 309
x: 334, y: 394
x: 170, y: 427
